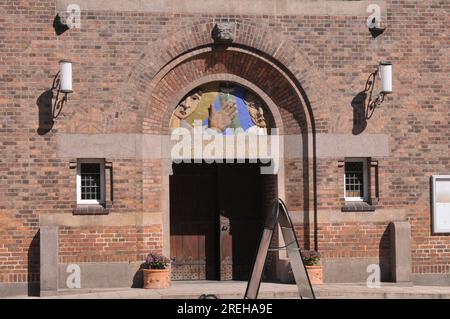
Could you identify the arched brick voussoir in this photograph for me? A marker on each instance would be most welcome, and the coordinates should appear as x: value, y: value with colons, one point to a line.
x: 250, y: 70
x: 161, y: 52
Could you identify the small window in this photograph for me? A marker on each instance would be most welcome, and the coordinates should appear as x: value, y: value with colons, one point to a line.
x: 90, y: 182
x: 441, y: 203
x: 356, y: 179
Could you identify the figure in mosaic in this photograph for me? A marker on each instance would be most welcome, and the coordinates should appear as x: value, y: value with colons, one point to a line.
x: 221, y: 106
x: 222, y: 119
x: 255, y: 109
x: 185, y: 108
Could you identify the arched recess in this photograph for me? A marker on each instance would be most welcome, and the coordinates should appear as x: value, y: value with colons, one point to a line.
x: 161, y: 55
x: 248, y: 68
x: 287, y: 55
x: 165, y: 90
x: 275, y: 116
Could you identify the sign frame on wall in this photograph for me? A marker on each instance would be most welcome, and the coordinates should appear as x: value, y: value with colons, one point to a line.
x: 440, y: 203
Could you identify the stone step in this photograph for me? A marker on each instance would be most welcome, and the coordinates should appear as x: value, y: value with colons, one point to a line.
x: 236, y: 290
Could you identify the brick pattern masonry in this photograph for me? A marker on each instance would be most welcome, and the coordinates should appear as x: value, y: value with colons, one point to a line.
x: 129, y: 68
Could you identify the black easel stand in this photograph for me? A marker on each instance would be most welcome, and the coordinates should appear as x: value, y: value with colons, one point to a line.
x: 279, y: 216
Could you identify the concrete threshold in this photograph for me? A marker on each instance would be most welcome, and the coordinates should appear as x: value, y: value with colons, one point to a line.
x: 236, y: 290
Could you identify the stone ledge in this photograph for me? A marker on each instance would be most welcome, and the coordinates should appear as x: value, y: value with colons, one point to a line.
x: 90, y: 210
x: 235, y: 7
x: 70, y: 219
x: 357, y: 207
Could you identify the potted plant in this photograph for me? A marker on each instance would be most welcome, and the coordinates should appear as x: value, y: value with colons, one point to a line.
x: 313, y: 267
x: 156, y: 269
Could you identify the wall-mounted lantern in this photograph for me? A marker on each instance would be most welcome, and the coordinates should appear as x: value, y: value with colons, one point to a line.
x: 384, y: 72
x: 62, y: 83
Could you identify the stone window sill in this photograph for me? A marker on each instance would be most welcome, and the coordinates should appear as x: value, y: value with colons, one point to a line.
x: 357, y: 207
x: 90, y: 210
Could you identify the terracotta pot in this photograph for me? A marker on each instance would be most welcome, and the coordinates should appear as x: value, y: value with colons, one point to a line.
x: 315, y: 274
x: 156, y: 278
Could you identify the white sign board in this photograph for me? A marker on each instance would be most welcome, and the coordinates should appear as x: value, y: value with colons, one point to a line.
x: 441, y: 203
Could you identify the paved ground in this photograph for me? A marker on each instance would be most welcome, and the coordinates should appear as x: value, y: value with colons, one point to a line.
x: 236, y: 289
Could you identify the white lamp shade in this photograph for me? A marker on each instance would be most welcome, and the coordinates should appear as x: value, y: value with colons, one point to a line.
x: 385, y: 71
x: 65, y: 76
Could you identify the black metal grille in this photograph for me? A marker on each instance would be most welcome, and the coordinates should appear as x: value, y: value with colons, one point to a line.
x: 354, y: 179
x: 90, y: 181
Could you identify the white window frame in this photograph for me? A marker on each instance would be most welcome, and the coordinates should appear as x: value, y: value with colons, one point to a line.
x: 102, y: 181
x: 439, y: 228
x: 365, y: 180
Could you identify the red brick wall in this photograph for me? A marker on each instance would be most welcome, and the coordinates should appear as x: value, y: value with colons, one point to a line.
x: 28, y: 171
x: 117, y: 58
x: 107, y: 244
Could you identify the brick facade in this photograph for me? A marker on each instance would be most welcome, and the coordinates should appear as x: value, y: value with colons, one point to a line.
x: 131, y: 69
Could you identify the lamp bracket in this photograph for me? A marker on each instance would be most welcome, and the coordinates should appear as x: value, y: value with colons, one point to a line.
x: 59, y: 101
x: 372, y: 102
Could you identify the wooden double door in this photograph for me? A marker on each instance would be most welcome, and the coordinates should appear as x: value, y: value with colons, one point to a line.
x: 215, y: 220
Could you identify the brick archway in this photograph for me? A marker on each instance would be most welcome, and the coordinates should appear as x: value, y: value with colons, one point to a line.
x: 276, y: 66
x: 247, y: 35
x: 281, y: 52
x: 247, y: 68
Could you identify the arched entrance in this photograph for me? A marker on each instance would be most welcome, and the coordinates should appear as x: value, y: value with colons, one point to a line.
x: 282, y: 104
x: 215, y: 226
x: 217, y: 205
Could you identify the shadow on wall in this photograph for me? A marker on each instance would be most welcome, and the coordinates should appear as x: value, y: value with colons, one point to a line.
x: 59, y: 27
x: 44, y: 103
x: 384, y: 256
x: 34, y: 266
x: 359, y: 113
x: 138, y: 278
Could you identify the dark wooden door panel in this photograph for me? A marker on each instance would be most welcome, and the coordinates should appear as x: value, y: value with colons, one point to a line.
x: 240, y: 201
x: 193, y: 215
x: 204, y: 243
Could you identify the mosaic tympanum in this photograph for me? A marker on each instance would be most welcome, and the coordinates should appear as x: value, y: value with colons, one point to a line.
x: 221, y: 106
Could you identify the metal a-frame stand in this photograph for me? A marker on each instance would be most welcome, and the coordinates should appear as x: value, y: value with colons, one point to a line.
x: 279, y: 216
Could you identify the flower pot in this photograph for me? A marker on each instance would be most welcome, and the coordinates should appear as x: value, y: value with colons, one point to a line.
x: 315, y: 274
x: 156, y: 278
